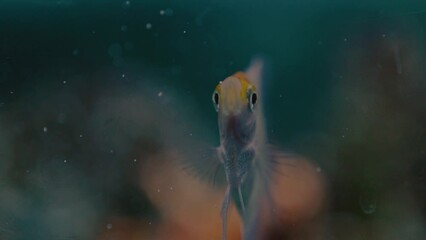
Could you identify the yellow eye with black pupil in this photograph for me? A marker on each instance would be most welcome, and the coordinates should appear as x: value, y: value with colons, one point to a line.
x: 215, y: 99
x: 252, y: 100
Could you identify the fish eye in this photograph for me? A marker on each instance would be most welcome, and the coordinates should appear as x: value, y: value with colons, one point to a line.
x: 215, y: 98
x: 252, y: 100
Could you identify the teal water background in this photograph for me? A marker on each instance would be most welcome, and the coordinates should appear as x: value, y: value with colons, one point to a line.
x: 327, y: 61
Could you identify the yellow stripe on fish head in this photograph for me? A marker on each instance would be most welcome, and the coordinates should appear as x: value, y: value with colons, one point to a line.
x: 233, y: 94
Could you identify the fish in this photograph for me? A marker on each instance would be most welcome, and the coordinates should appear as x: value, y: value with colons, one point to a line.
x: 243, y: 154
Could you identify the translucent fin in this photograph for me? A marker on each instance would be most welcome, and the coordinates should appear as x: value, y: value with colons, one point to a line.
x: 206, y: 165
x: 241, y: 199
x: 268, y: 159
x: 224, y: 212
x: 266, y: 165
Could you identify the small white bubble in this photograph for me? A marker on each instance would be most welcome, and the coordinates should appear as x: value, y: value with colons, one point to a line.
x: 184, y: 31
x: 148, y: 26
x: 162, y: 12
x: 345, y: 39
x: 171, y: 188
x: 319, y: 169
x: 127, y: 3
x: 160, y: 94
x: 135, y: 160
x: 158, y: 190
x: 64, y: 82
x: 383, y: 35
x: 65, y: 161
x: 123, y: 75
x: 11, y: 92
x: 281, y: 96
x: 28, y: 171
x: 81, y: 135
x: 190, y: 134
x: 149, y: 223
x: 44, y: 129
x: 343, y: 136
x: 111, y: 151
x: 109, y: 226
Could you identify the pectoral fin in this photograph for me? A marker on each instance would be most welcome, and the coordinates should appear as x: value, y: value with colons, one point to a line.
x: 206, y: 165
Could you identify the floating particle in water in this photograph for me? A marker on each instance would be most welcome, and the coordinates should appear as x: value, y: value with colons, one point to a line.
x: 123, y: 75
x: 44, y: 129
x: 184, y: 31
x: 111, y: 151
x: 109, y: 226
x: 65, y: 161
x: 135, y: 160
x: 171, y: 188
x: 126, y: 4
x: 11, y: 92
x: 160, y: 94
x: 318, y: 169
x: 368, y: 203
x: 64, y: 82
x: 345, y: 39
x: 166, y: 12
x: 148, y: 26
x: 81, y: 135
x: 124, y: 28
x: 158, y: 190
x: 383, y: 35
x: 190, y: 134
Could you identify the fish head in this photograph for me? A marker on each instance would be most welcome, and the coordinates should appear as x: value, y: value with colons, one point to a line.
x: 235, y: 100
x: 235, y: 96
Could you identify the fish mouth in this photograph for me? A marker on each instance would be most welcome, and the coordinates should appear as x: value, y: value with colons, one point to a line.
x: 232, y: 127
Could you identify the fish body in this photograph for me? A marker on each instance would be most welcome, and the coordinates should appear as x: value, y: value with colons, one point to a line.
x: 241, y: 140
